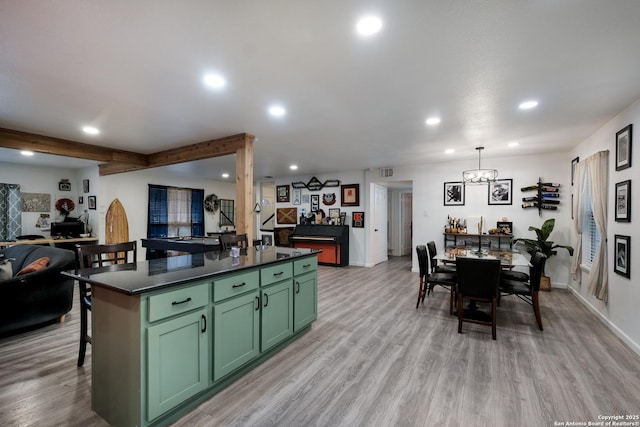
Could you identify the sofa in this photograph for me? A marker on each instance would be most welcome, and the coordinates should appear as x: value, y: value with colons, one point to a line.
x: 33, y: 290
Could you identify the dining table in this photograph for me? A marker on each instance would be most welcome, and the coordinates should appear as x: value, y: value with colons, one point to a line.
x: 508, y: 258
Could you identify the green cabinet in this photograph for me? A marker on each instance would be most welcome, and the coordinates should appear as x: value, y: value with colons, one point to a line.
x: 236, y: 333
x: 178, y: 361
x: 276, y: 314
x: 305, y: 300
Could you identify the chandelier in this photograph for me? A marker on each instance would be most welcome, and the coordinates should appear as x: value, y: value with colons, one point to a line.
x: 479, y: 176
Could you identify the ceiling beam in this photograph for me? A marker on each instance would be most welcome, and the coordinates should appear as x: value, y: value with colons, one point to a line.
x: 202, y: 150
x: 62, y: 147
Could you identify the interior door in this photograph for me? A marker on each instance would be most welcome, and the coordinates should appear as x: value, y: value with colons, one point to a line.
x: 406, y: 216
x: 379, y: 224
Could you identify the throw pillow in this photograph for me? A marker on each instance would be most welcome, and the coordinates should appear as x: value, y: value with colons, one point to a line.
x: 6, y: 272
x: 36, y: 265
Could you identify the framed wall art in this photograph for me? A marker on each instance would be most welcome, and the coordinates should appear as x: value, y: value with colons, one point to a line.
x: 357, y: 219
x: 91, y: 200
x: 315, y: 202
x: 453, y: 194
x: 623, y: 201
x: 350, y: 195
x: 622, y: 255
x: 296, y: 196
x: 623, y: 148
x: 85, y: 185
x: 501, y: 192
x: 574, y: 163
x: 282, y: 193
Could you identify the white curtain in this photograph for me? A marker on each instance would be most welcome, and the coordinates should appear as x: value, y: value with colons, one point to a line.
x: 598, y: 170
x: 179, y: 211
x: 593, y: 171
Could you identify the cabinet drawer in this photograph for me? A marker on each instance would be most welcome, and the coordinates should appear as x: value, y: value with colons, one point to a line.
x: 235, y: 284
x: 269, y: 275
x: 179, y: 301
x: 301, y: 266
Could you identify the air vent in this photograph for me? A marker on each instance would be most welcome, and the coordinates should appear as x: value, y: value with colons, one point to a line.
x: 386, y: 172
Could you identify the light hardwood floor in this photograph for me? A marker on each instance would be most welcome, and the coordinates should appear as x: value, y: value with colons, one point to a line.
x: 372, y: 359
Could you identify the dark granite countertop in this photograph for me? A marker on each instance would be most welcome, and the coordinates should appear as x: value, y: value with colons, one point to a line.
x: 146, y: 276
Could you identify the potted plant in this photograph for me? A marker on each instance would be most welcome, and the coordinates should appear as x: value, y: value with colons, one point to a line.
x: 542, y: 244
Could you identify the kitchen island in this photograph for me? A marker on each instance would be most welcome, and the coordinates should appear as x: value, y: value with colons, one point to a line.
x: 169, y: 333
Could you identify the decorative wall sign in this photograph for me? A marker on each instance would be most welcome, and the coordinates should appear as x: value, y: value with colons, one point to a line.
x: 623, y: 201
x: 453, y: 194
x: 623, y: 148
x: 36, y: 202
x: 350, y: 195
x: 287, y: 215
x: 329, y: 198
x: 282, y: 193
x: 64, y: 185
x: 314, y: 184
x: 622, y: 255
x: 357, y: 219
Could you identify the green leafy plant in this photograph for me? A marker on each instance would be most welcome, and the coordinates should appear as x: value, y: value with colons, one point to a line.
x: 542, y: 244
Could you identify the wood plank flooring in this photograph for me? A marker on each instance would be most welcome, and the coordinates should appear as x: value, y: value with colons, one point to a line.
x: 372, y: 359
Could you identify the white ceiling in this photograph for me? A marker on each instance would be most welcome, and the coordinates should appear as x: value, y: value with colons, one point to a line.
x: 134, y: 69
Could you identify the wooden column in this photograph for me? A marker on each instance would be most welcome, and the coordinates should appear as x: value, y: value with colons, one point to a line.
x: 244, y: 188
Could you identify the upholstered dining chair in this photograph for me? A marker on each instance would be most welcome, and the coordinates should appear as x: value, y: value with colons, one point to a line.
x: 478, y: 279
x: 520, y: 276
x: 433, y: 262
x: 94, y: 256
x: 429, y: 280
x: 527, y: 290
x: 228, y: 240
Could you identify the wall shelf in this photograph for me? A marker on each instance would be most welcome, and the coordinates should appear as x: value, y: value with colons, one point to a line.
x: 547, y: 196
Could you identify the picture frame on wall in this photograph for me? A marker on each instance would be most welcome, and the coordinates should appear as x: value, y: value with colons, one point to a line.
x: 357, y: 219
x: 334, y: 214
x: 91, y: 202
x: 623, y: 148
x: 622, y: 255
x: 574, y: 163
x: 296, y: 196
x: 315, y: 202
x: 453, y: 194
x: 282, y: 193
x: 350, y: 195
x: 500, y: 192
x: 85, y: 185
x: 623, y: 201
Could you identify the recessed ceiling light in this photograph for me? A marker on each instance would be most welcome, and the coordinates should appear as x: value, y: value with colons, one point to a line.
x: 215, y: 81
x: 293, y: 167
x: 432, y: 121
x: 369, y: 25
x: 513, y: 144
x: 91, y: 130
x: 449, y: 151
x: 277, y: 111
x: 225, y: 175
x: 527, y: 105
x: 26, y: 153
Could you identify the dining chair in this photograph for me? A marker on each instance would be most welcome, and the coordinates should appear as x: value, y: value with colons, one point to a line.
x: 433, y: 262
x: 528, y: 290
x: 429, y: 280
x: 95, y: 256
x: 478, y: 280
x: 520, y: 276
x: 228, y: 240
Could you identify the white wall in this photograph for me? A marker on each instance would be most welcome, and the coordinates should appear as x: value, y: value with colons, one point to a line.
x: 357, y: 235
x: 621, y: 311
x: 132, y: 189
x: 43, y: 179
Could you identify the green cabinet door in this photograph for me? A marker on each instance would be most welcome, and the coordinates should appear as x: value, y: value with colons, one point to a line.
x: 236, y: 333
x: 305, y: 300
x: 277, y: 314
x: 178, y: 361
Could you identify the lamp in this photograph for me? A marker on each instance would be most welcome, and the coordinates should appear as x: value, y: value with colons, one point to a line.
x: 479, y: 176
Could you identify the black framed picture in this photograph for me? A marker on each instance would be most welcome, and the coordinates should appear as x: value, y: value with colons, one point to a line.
x: 623, y: 148
x: 85, y: 185
x: 622, y: 255
x: 91, y: 200
x: 315, y: 202
x: 623, y: 201
x: 282, y: 193
x: 501, y: 192
x: 357, y: 219
x: 504, y: 227
x: 574, y: 163
x: 453, y: 194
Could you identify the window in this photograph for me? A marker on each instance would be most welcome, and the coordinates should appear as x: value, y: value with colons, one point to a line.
x: 590, y: 234
x: 175, y: 212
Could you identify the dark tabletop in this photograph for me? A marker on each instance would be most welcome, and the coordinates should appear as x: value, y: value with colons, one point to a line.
x: 146, y: 276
